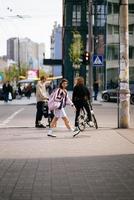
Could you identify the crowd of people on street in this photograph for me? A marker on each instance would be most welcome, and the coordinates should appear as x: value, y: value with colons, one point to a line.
x: 59, y: 99
x: 9, y: 93
x: 54, y: 100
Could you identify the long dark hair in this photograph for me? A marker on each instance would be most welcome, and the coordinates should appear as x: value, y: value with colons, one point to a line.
x: 62, y: 81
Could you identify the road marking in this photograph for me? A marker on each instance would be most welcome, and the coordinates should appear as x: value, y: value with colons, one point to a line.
x: 11, y: 117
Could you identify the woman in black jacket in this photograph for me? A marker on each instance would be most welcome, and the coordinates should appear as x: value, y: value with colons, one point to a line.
x: 80, y: 98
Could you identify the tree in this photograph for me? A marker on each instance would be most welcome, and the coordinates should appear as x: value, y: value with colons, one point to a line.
x: 76, y: 49
x: 13, y: 72
x: 42, y: 72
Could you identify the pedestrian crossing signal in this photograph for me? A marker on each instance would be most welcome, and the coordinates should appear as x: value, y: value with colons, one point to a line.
x: 86, y: 58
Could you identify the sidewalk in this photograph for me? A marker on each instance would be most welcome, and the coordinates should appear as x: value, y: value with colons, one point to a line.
x: 32, y: 100
x: 22, y: 101
x: 96, y: 165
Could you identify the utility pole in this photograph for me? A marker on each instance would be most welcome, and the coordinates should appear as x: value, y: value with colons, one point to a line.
x: 90, y: 41
x: 124, y: 120
x: 19, y: 56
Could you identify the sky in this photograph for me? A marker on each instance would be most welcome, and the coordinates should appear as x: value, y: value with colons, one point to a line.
x: 37, y: 23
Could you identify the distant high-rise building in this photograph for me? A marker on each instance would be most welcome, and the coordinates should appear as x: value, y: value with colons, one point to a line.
x: 56, y: 48
x: 10, y: 48
x: 25, y: 51
x: 41, y: 52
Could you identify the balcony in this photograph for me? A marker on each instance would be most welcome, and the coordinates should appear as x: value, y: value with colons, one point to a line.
x: 115, y: 63
x: 114, y: 39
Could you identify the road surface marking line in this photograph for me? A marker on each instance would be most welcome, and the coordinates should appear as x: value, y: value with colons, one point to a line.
x: 11, y: 117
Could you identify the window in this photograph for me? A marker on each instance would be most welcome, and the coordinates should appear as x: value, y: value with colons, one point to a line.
x: 100, y: 17
x: 131, y: 8
x: 131, y: 52
x: 100, y: 21
x: 116, y: 29
x: 131, y: 29
x: 115, y: 8
x: 109, y: 7
x: 112, y: 52
x: 109, y: 29
x: 76, y: 17
x: 100, y: 9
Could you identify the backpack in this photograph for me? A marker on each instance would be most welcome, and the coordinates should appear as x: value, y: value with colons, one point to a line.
x: 52, y: 103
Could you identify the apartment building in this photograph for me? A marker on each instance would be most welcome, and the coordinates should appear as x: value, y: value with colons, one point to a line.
x: 112, y: 41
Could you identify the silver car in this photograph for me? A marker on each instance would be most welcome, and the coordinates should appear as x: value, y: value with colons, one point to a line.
x: 111, y: 95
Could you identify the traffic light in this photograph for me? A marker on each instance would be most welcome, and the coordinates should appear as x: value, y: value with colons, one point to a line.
x: 86, y: 58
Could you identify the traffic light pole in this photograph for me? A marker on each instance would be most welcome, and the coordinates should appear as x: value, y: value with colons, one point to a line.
x: 90, y: 36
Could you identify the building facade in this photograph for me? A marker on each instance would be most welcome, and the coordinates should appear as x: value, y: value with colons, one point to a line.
x: 112, y: 42
x: 74, y: 19
x: 105, y: 25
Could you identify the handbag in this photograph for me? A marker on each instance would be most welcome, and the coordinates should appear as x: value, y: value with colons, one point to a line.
x: 10, y: 96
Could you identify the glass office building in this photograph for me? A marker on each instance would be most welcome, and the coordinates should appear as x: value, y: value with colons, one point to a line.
x: 105, y: 25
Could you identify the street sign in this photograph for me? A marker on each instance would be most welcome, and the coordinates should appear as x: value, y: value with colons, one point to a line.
x: 98, y: 60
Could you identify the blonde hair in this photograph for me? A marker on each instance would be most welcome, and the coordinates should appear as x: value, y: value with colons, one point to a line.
x: 80, y: 81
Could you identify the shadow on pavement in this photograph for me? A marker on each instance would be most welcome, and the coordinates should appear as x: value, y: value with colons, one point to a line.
x: 77, y: 178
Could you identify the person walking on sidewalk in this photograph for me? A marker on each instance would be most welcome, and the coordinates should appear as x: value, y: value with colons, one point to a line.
x: 80, y: 98
x: 41, y: 97
x: 6, y: 91
x: 61, y: 96
x: 96, y: 89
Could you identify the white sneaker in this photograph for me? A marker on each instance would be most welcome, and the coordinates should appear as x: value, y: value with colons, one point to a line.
x: 50, y: 133
x: 76, y: 132
x: 71, y: 129
x: 91, y: 123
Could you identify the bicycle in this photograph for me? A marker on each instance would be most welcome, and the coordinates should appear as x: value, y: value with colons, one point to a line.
x: 83, y: 119
x: 47, y: 113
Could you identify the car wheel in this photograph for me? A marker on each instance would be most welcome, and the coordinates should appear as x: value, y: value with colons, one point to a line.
x: 132, y: 99
x: 106, y: 97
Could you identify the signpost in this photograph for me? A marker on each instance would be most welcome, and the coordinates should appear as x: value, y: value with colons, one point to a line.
x: 98, y: 60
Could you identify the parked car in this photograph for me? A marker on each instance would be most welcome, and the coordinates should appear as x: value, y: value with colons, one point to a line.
x: 111, y: 95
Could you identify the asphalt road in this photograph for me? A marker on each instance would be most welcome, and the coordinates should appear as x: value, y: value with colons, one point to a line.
x: 24, y: 115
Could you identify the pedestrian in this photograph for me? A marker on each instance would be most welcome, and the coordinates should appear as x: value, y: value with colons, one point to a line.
x: 41, y: 97
x: 96, y: 89
x: 29, y: 90
x: 80, y: 98
x: 19, y: 90
x: 6, y: 91
x: 61, y: 95
x: 10, y: 88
